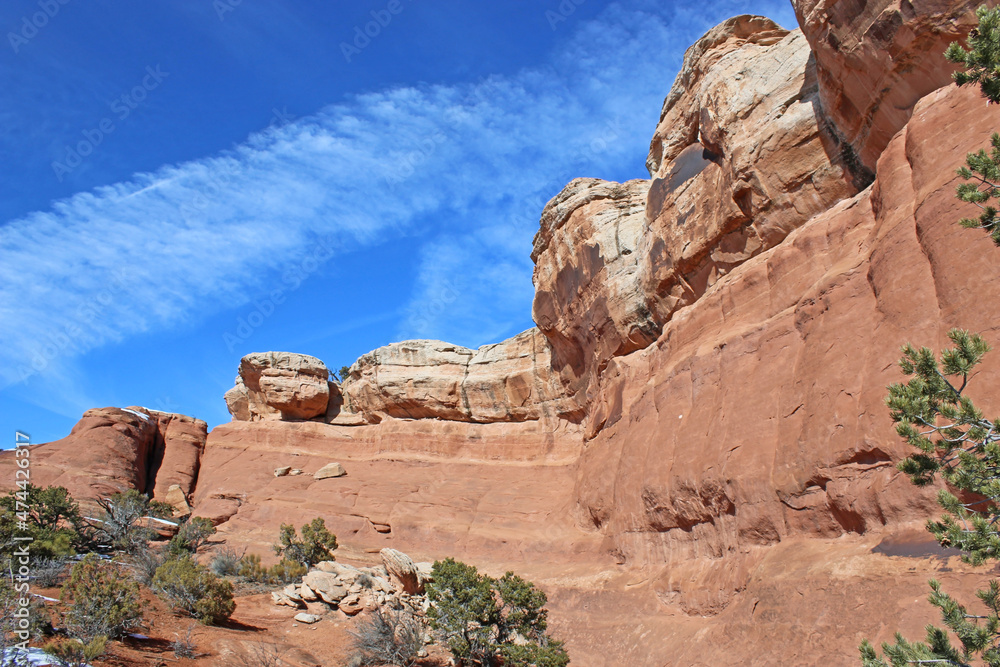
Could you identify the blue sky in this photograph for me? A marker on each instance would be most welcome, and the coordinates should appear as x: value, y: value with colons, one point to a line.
x: 186, y: 182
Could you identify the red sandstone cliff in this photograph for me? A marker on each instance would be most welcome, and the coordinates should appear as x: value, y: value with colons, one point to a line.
x: 691, y: 451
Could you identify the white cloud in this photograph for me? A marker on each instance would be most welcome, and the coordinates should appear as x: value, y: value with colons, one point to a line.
x: 474, y: 162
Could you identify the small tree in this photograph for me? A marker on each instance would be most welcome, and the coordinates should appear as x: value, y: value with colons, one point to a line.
x: 317, y: 543
x: 192, y: 588
x: 388, y: 637
x: 345, y: 372
x: 981, y: 62
x: 192, y: 535
x: 120, y: 523
x: 952, y: 439
x: 75, y: 653
x: 52, y: 520
x: 101, y: 602
x: 491, y: 621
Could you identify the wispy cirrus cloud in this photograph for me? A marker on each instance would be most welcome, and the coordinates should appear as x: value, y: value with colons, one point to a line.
x: 462, y: 169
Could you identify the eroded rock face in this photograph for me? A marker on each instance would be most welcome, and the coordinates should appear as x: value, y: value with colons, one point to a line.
x: 279, y: 385
x: 176, y: 457
x: 740, y: 158
x: 116, y: 449
x: 759, y: 414
x: 510, y: 381
x: 589, y: 301
x: 877, y: 58
x: 402, y: 571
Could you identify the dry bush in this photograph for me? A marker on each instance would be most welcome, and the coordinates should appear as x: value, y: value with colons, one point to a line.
x: 259, y: 654
x: 185, y: 647
x: 387, y: 638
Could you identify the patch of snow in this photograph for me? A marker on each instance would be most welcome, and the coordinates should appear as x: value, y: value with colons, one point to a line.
x: 153, y: 518
x: 35, y: 657
x: 137, y: 413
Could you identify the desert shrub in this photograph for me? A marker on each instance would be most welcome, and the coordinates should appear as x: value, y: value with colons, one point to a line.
x: 47, y: 572
x: 185, y: 647
x: 160, y: 509
x: 286, y: 571
x: 75, y: 653
x: 283, y: 572
x: 259, y: 654
x: 50, y: 517
x: 193, y: 588
x: 101, y: 603
x: 364, y: 580
x: 226, y: 562
x: 144, y: 563
x: 251, y: 569
x: 317, y: 543
x: 192, y: 535
x: 491, y: 621
x: 387, y: 638
x: 120, y: 524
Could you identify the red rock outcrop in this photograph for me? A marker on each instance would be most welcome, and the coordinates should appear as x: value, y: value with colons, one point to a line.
x: 279, y: 385
x: 176, y: 456
x: 707, y: 481
x: 877, y: 58
x: 759, y: 414
x: 115, y: 449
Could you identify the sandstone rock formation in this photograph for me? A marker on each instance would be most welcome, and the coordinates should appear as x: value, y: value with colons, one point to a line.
x: 279, y: 385
x: 691, y: 455
x: 402, y: 571
x: 589, y: 301
x: 690, y: 462
x: 115, y: 449
x: 740, y: 158
x: 877, y: 58
x: 178, y: 500
x: 510, y: 381
x: 176, y: 456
